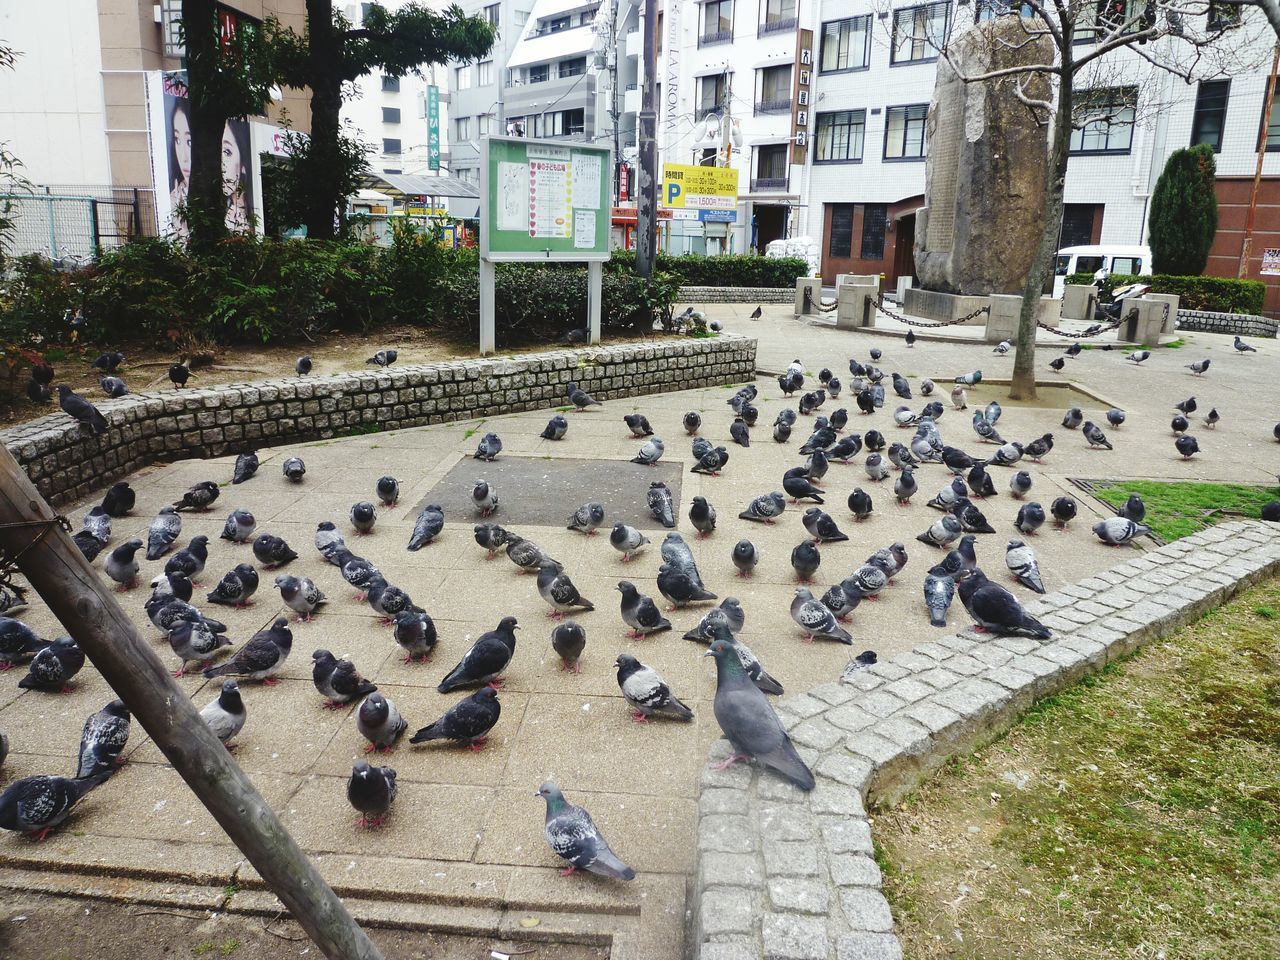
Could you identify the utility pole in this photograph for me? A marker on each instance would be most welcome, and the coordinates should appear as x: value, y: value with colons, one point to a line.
x: 647, y: 136
x: 1246, y: 248
x: 614, y: 112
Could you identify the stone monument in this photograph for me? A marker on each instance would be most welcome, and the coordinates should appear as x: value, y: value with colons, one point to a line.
x: 986, y: 170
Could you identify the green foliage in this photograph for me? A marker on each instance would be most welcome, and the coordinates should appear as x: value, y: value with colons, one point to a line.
x: 1184, y: 212
x: 1219, y: 294
x: 730, y: 270
x: 287, y: 182
x: 1181, y: 508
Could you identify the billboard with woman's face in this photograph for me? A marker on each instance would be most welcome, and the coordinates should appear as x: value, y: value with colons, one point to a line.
x: 169, y: 133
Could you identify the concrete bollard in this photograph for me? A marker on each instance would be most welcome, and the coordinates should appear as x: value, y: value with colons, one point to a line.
x: 904, y: 284
x: 814, y: 287
x: 1002, y: 318
x: 1147, y: 326
x: 1171, y: 322
x: 855, y: 308
x: 1078, y: 301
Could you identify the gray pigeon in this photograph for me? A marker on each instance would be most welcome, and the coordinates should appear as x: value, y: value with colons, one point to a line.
x: 627, y: 540
x: 363, y: 516
x: 640, y: 613
x: 1095, y: 436
x: 749, y: 722
x: 261, y: 658
x: 492, y: 537
x: 765, y: 508
x: 193, y: 640
x: 300, y: 595
x: 388, y: 490
x: 246, y: 466
x: 703, y: 516
x: 328, y: 541
x: 53, y: 666
x: 587, y: 518
x: 113, y: 387
x: 1021, y: 561
x: 944, y: 531
x: 805, y: 559
x: 272, y: 551
x: 302, y: 366
x: 163, y: 533
x: 556, y: 428
x: 939, y: 588
x: 745, y: 557
x: 568, y: 640
x: 427, y: 527
x: 239, y: 526
x: 486, y: 660
x: 81, y: 410
x: 681, y: 586
x: 1073, y: 418
x: 467, y: 721
x: 815, y: 619
x: 691, y: 422
x: 646, y: 691
x: 98, y: 522
x: 905, y: 487
x: 1115, y: 531
x: 1030, y: 518
x: 338, y: 681
x: 489, y: 447
x: 1020, y: 484
x: 294, y: 469
x: 199, y: 496
x: 225, y: 714
x: 574, y: 837
x: 380, y: 723
x: 484, y: 498
x: 821, y: 526
x: 729, y: 613
x: 371, y: 791
x: 416, y: 633
x: 876, y: 468
x: 1199, y: 367
x: 35, y: 805
x: 650, y: 452
x: 555, y: 587
x: 121, y: 564
x: 638, y: 424
x: 661, y: 504
x: 995, y: 609
x: 388, y: 600
x: 525, y: 554
x: 236, y: 587
x: 103, y: 739
x: 580, y: 398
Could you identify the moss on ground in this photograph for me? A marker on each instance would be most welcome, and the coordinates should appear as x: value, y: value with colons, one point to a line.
x: 1179, y: 508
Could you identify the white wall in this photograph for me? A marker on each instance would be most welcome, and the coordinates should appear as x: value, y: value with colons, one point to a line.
x: 51, y: 110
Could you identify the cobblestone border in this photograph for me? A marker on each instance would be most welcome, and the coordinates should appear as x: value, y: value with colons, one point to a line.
x: 66, y: 462
x: 1244, y: 324
x: 697, y: 295
x: 785, y: 875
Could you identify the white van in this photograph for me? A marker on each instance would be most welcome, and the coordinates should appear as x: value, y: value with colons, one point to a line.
x: 1111, y: 257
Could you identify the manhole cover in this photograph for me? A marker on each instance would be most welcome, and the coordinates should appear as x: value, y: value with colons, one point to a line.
x: 543, y: 492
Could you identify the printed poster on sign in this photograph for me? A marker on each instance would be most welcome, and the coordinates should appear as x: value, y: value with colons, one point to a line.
x: 1270, y: 262
x: 550, y: 198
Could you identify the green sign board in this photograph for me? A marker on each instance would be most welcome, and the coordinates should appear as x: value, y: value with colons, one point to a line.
x: 433, y: 127
x: 544, y: 199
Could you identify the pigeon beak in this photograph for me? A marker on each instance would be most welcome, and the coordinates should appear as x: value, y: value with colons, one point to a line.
x: 708, y: 654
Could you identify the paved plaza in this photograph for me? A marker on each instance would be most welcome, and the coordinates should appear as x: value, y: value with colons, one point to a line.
x: 464, y: 840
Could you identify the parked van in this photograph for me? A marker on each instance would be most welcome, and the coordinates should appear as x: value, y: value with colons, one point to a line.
x: 1111, y: 257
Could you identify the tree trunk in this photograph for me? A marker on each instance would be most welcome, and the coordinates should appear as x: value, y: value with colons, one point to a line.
x: 206, y: 206
x: 323, y: 167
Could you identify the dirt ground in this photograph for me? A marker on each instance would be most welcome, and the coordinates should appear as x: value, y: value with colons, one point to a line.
x: 35, y: 927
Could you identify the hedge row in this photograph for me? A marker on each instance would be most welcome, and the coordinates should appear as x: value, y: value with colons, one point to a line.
x: 1219, y: 294
x: 730, y: 270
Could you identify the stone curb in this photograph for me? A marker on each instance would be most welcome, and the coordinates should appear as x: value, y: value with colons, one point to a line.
x: 1243, y: 324
x: 66, y: 462
x: 697, y: 295
x: 785, y: 875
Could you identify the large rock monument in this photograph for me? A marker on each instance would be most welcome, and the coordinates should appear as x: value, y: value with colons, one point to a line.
x: 987, y: 165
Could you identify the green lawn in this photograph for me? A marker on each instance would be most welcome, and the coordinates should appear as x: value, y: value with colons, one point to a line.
x: 1178, y: 509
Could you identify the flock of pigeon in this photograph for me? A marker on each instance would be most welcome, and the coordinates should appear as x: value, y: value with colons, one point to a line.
x: 38, y: 804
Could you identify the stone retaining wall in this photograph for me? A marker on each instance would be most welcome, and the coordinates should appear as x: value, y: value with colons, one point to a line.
x: 697, y: 295
x: 1243, y: 324
x: 66, y: 462
x: 785, y: 875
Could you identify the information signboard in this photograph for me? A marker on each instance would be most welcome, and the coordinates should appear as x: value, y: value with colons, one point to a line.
x: 433, y: 127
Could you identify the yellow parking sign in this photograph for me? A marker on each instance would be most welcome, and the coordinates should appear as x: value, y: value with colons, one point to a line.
x: 689, y: 187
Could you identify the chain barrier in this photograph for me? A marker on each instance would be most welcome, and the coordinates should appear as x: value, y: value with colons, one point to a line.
x: 9, y: 565
x: 901, y: 318
x: 823, y: 306
x: 1096, y: 329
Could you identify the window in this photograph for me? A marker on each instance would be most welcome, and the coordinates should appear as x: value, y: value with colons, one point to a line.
x: 846, y: 45
x: 1126, y: 266
x: 484, y: 73
x: 467, y: 174
x: 391, y: 84
x: 771, y: 167
x: 561, y: 123
x: 364, y: 11
x: 1271, y: 124
x: 390, y: 114
x: 391, y: 146
x: 775, y: 90
x: 779, y: 15
x: 1211, y: 113
x: 711, y: 94
x: 841, y: 242
x: 556, y: 24
x: 904, y: 137
x: 462, y: 77
x: 491, y: 13
x: 1106, y: 17
x: 463, y: 127
x: 875, y: 218
x: 717, y: 22
x: 840, y: 136
x: 1223, y: 16
x: 485, y: 123
x: 919, y: 32
x: 991, y: 9
x: 538, y: 74
x: 1104, y: 120
x: 573, y: 68
x: 1077, y: 225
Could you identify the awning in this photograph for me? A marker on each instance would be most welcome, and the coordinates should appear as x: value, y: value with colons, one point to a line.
x: 768, y: 141
x: 400, y: 185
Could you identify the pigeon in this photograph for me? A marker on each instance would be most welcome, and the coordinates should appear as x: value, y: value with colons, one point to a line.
x: 98, y: 523
x: 225, y: 714
x: 484, y: 498
x: 1179, y: 425
x: 199, y: 497
x: 868, y: 580
x: 700, y: 447
x: 1063, y: 510
x: 1115, y: 417
x: 745, y: 557
x: 944, y: 531
x: 876, y: 468
x: 338, y: 680
x: 1095, y: 436
x: 189, y: 561
x: 798, y: 487
x: 272, y: 551
x: 781, y: 431
x: 646, y: 691
x: 638, y: 424
x: 383, y: 358
x: 261, y: 658
x: 113, y: 387
x: 939, y: 589
x: 959, y: 400
x: 1021, y: 561
x: 901, y: 457
x: 949, y: 495
x: 650, y: 453
x: 1073, y: 351
x: 1115, y: 531
x: 102, y: 740
x: 110, y: 362
x: 1138, y: 356
x: 996, y: 610
x: 363, y: 516
x: 749, y: 722
x: 901, y: 387
x: 1030, y: 518
x: 817, y: 466
x: 822, y: 527
x: 833, y: 388
x: 587, y: 518
x: 661, y: 505
x: 574, y: 837
x: 1003, y: 347
x: 817, y: 621
x: 415, y: 631
x: 556, y: 428
x: 692, y: 421
x: 860, y: 504
x: 1187, y: 446
x: 81, y: 410
x: 765, y: 508
x: 1133, y: 509
x: 371, y: 791
x: 568, y: 640
x: 179, y: 374
x: 35, y: 805
x: 555, y: 587
x: 905, y: 487
x: 1242, y: 347
x: 380, y: 723
x: 328, y: 541
x: 972, y: 520
x: 1199, y: 367
x: 239, y: 526
x: 53, y: 666
x: 739, y: 432
x: 468, y: 721
x: 640, y: 613
x: 1020, y: 484
x: 757, y: 313
x: 1187, y: 406
x: 840, y: 602
x: 712, y: 461
x: 302, y: 366
x: 805, y: 560
x: 246, y: 466
x: 427, y: 527
x: 488, y: 448
x: 38, y: 392
x: 164, y: 610
x: 294, y: 469
x: 681, y: 586
x: 1211, y: 418
x: 984, y: 429
x: 1057, y: 364
x: 1039, y: 448
x: 627, y: 540
x: 387, y: 599
x: 170, y: 587
x: 121, y: 564
x: 1073, y: 418
x: 702, y: 515
x: 580, y: 398
x: 119, y: 500
x: 486, y: 660
x: 236, y: 587
x: 729, y: 613
x: 193, y: 640
x: 525, y: 554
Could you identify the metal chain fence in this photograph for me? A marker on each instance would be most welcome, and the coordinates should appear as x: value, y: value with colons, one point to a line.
x: 902, y: 318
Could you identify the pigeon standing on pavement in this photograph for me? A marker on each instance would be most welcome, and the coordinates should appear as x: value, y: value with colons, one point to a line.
x: 650, y: 452
x: 53, y: 667
x: 574, y: 837
x: 1187, y: 445
x: 488, y: 448
x: 273, y: 551
x: 119, y: 500
x: 1115, y: 531
x: 338, y: 681
x: 587, y: 518
x: 194, y: 640
x: 236, y: 587
x: 427, y: 527
x: 996, y: 610
x: 35, y: 805
x: 1030, y: 518
x: 225, y: 714
x: 388, y: 490
x: 246, y: 466
x: 103, y: 739
x: 627, y: 540
x: 745, y: 557
x: 467, y: 721
x: 486, y: 660
x: 815, y: 619
x: 415, y: 632
x: 371, y: 790
x: 1020, y: 484
x: 555, y: 587
x: 163, y: 533
x: 702, y: 515
x: 363, y: 516
x: 568, y: 640
x: 1242, y: 347
x: 261, y: 658
x: 661, y: 504
x: 556, y: 428
x: 1063, y: 510
x: 805, y: 560
x: 1199, y: 367
x: 939, y: 589
x: 646, y: 691
x: 484, y: 498
x: 294, y: 469
x: 380, y: 723
x: 300, y: 594
x: 239, y: 526
x: 638, y: 424
x: 1073, y: 418
x: 1095, y: 436
x: 121, y: 564
x: 640, y: 613
x: 1021, y: 561
x: 580, y: 398
x: 822, y: 527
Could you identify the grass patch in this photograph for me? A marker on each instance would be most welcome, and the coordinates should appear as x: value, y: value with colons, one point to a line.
x: 1136, y: 815
x: 1175, y: 344
x: 1179, y: 509
x: 474, y: 430
x: 358, y: 430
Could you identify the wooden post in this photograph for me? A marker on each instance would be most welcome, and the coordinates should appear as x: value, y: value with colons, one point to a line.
x: 89, y: 613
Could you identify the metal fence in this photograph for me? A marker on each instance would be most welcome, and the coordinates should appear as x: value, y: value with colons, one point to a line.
x: 72, y: 224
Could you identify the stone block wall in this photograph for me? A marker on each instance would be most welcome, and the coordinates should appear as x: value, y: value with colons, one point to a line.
x: 786, y: 875
x: 67, y: 462
x: 698, y: 295
x: 1232, y: 324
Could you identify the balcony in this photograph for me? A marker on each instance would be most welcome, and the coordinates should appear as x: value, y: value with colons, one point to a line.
x: 781, y: 25
x: 711, y: 39
x: 704, y: 111
x: 769, y: 185
x: 779, y: 105
x: 635, y: 44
